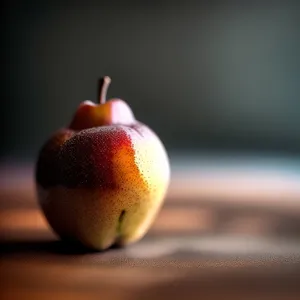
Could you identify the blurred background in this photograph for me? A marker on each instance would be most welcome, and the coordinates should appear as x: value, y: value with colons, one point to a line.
x: 208, y: 76
x: 218, y: 81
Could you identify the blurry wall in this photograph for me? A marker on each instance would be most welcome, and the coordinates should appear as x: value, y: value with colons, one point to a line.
x: 216, y: 76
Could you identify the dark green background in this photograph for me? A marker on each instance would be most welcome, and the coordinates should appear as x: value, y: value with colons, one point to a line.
x: 212, y: 75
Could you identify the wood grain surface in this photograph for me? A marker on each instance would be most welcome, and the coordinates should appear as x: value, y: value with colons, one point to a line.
x: 201, y: 246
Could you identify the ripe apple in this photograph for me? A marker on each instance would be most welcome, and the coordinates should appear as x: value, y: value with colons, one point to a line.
x: 102, y: 179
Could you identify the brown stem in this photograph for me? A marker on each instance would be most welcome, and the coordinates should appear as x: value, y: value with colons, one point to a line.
x: 102, y: 88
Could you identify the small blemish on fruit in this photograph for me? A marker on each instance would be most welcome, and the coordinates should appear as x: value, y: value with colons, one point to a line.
x: 120, y: 221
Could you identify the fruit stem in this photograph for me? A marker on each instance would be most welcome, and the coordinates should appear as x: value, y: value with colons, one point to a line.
x: 102, y: 88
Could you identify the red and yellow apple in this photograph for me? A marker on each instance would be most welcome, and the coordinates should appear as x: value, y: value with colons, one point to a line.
x: 102, y: 179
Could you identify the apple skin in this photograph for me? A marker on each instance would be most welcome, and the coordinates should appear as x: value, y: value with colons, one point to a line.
x: 102, y: 185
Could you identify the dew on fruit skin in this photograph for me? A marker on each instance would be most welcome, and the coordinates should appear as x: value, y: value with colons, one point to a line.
x: 140, y: 187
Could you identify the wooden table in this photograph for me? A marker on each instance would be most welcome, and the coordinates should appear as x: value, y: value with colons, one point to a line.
x: 201, y: 246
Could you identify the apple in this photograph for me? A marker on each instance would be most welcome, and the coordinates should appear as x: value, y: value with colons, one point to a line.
x: 102, y: 179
